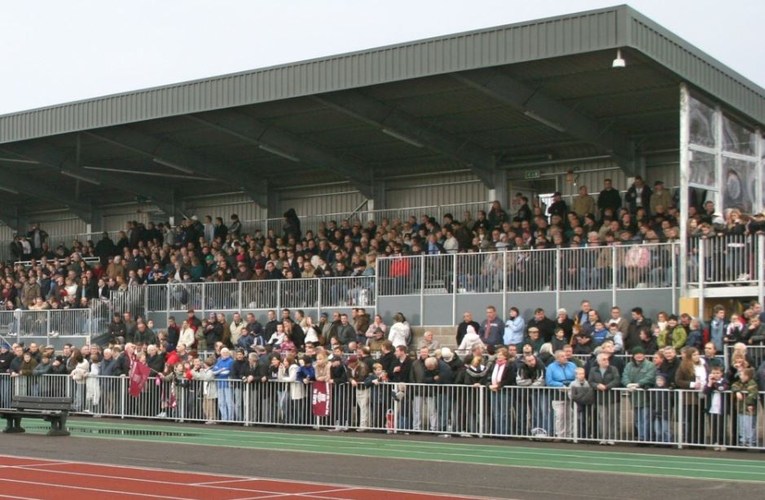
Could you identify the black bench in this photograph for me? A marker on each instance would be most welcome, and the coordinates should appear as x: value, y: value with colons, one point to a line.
x: 53, y: 410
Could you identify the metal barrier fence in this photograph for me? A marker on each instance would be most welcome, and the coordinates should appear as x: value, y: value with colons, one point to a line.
x: 641, y: 416
x: 312, y: 294
x: 716, y: 260
x: 589, y: 268
x: 755, y: 355
x: 53, y: 326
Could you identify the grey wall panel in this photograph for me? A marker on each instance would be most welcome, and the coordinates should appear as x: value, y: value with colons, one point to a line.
x: 652, y: 302
x: 223, y: 206
x: 527, y: 302
x: 443, y: 189
x: 388, y: 306
x: 331, y: 199
x: 599, y: 300
x: 476, y: 303
x: 437, y: 310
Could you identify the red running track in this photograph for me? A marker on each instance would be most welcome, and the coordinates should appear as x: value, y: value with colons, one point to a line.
x: 32, y: 478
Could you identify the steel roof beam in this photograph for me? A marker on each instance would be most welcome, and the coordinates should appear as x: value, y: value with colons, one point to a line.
x: 34, y: 189
x: 550, y: 112
x: 50, y: 157
x: 165, y: 152
x: 286, y: 144
x: 414, y: 131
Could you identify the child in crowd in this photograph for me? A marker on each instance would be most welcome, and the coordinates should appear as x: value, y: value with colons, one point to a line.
x: 559, y: 341
x: 599, y: 334
x: 715, y: 399
x: 582, y: 393
x: 581, y: 341
x: 661, y: 408
x: 745, y: 391
x: 380, y: 397
x: 695, y: 336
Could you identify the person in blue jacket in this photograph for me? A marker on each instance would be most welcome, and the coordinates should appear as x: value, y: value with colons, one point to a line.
x: 560, y: 374
x: 222, y: 370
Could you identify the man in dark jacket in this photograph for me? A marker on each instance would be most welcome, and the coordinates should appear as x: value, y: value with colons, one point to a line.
x: 545, y: 325
x: 492, y: 329
x: 603, y: 379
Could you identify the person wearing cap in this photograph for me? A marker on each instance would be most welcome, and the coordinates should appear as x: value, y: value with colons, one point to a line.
x: 638, y: 375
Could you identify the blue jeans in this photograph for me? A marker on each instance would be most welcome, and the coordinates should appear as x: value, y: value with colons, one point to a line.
x: 225, y: 403
x: 642, y: 422
x: 498, y: 401
x: 747, y: 435
x: 662, y: 430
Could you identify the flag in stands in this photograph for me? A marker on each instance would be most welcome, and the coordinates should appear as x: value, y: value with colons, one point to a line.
x: 320, y: 399
x: 138, y: 378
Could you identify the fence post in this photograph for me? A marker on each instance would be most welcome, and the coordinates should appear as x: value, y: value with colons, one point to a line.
x: 454, y: 289
x: 673, y: 269
x: 422, y: 289
x: 701, y: 276
x: 614, y: 275
x: 123, y: 395
x: 680, y: 419
x: 481, y: 410
x: 760, y: 267
x: 504, y: 283
x: 319, y: 290
x: 557, y: 278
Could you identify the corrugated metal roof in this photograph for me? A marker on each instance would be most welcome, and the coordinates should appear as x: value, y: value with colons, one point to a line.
x: 541, y: 39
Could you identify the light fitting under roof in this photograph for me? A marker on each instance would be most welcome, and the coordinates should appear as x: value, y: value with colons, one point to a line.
x: 618, y: 62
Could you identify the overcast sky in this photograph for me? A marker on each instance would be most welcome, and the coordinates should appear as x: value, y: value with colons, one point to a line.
x: 54, y: 51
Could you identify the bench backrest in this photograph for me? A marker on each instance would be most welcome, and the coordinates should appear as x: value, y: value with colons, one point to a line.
x: 39, y: 403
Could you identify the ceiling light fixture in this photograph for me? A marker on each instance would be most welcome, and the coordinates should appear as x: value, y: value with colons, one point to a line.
x: 544, y: 121
x: 402, y: 137
x: 278, y: 152
x: 618, y: 62
x: 80, y: 177
x: 166, y: 163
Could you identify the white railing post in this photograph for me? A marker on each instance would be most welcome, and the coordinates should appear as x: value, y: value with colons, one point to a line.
x: 422, y: 289
x: 701, y: 275
x: 557, y: 277
x: 680, y: 419
x: 760, y: 267
x: 614, y: 275
x: 673, y: 269
x: 454, y: 288
x: 481, y: 411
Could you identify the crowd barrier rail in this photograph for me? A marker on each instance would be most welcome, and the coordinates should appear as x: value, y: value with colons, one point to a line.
x: 663, y: 417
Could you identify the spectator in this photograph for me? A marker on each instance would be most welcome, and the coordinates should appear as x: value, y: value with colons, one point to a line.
x: 638, y: 376
x: 609, y: 199
x: 638, y: 195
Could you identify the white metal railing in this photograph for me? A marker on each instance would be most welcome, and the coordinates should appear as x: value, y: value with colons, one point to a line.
x: 313, y: 294
x: 47, y: 325
x: 718, y: 260
x: 656, y: 416
x: 594, y: 268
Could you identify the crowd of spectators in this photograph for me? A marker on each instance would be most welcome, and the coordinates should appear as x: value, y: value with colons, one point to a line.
x: 210, y: 250
x: 558, y: 377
